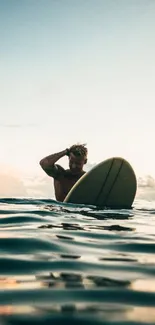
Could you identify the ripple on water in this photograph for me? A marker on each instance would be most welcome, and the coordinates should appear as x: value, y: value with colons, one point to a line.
x: 71, y: 263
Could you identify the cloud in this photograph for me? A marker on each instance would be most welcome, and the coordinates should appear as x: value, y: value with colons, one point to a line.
x: 11, y: 186
x: 39, y: 186
x: 146, y: 188
x: 146, y: 182
x: 89, y: 166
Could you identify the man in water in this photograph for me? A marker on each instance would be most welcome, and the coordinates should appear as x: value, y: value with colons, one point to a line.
x: 65, y: 179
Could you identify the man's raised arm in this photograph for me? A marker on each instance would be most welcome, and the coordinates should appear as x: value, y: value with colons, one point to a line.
x: 48, y: 164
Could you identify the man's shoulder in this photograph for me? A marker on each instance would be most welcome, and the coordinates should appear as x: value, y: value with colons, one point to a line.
x: 60, y: 168
x: 58, y: 172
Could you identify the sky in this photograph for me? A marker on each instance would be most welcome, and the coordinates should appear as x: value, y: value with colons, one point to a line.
x: 76, y: 71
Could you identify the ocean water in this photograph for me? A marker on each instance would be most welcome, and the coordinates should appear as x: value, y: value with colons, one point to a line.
x: 62, y: 263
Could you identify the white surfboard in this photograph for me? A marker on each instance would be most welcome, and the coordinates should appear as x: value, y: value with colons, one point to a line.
x: 112, y: 183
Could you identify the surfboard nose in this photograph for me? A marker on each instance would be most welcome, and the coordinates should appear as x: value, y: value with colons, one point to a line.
x: 112, y: 183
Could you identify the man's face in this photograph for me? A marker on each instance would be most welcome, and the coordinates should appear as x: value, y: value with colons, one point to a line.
x: 76, y: 163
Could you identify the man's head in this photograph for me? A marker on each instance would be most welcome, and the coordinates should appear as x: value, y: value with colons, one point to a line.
x: 77, y: 158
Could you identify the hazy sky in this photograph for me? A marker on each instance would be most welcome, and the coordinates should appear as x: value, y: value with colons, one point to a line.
x: 77, y: 71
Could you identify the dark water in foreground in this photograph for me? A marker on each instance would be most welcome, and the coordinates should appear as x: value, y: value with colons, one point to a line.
x: 65, y: 263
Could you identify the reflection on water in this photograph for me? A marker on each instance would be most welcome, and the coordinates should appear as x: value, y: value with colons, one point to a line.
x: 62, y: 263
x: 144, y: 285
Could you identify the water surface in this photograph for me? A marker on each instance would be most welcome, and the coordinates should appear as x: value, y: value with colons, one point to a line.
x: 66, y: 263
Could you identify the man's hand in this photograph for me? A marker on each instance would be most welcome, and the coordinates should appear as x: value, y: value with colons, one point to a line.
x: 67, y: 152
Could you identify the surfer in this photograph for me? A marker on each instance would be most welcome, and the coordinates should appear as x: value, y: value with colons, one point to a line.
x: 64, y: 179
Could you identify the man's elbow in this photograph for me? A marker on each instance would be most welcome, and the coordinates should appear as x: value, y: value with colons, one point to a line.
x: 44, y: 164
x: 41, y: 163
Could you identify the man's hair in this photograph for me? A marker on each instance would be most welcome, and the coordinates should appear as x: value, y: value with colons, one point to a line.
x: 79, y: 150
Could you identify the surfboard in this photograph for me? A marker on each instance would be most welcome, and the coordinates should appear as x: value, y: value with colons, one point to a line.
x: 111, y: 183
